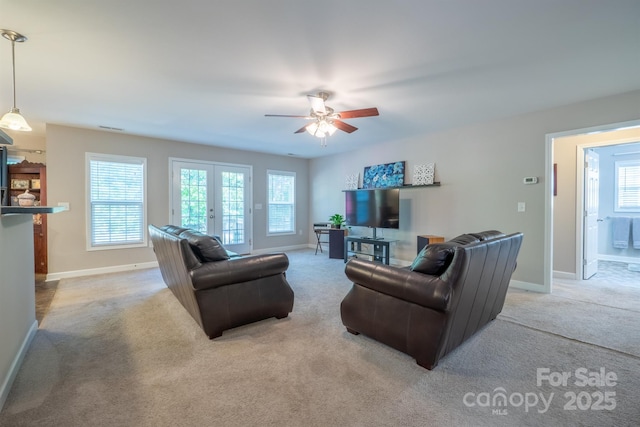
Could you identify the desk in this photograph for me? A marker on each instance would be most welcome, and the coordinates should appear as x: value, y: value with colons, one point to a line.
x: 319, y: 232
x: 379, y: 248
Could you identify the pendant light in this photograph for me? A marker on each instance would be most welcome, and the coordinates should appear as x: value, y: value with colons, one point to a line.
x: 13, y: 119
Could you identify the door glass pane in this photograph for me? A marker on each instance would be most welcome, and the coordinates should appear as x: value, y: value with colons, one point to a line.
x: 193, y: 199
x: 233, y: 227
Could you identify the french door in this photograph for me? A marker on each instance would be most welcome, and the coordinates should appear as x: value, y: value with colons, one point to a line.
x: 213, y: 199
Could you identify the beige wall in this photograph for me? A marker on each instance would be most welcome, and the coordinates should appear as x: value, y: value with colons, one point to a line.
x: 565, y: 229
x: 481, y: 168
x: 66, y: 148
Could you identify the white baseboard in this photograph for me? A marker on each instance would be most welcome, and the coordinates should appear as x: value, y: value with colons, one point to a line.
x: 101, y: 270
x: 282, y: 249
x: 527, y: 286
x: 615, y: 258
x: 151, y: 264
x: 7, y: 382
x: 564, y: 275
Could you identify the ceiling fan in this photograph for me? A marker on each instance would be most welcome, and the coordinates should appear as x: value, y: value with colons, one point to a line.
x: 325, y: 120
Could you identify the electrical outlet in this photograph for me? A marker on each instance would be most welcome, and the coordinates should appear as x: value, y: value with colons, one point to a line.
x: 521, y: 207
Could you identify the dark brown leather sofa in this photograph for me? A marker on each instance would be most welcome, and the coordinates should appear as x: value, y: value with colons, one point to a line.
x: 220, y: 289
x: 450, y: 292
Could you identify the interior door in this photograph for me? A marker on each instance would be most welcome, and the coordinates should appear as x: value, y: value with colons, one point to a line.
x: 214, y: 199
x: 591, y: 208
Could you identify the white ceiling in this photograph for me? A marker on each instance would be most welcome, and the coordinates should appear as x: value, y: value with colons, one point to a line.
x: 206, y: 71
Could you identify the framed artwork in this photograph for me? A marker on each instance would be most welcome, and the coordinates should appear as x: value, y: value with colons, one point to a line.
x: 19, y: 184
x: 423, y: 174
x: 35, y: 184
x: 351, y: 181
x: 383, y: 176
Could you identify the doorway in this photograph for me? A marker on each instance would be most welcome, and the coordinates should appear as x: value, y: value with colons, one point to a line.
x: 215, y: 199
x: 569, y: 251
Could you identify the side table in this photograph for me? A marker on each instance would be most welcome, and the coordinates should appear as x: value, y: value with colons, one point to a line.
x: 427, y: 239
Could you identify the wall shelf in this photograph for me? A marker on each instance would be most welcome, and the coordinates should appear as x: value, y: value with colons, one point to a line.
x: 403, y: 187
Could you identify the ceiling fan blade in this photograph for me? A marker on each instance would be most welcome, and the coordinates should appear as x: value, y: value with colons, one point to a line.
x: 344, y: 126
x: 287, y: 115
x: 317, y: 104
x: 364, y: 112
x: 302, y: 129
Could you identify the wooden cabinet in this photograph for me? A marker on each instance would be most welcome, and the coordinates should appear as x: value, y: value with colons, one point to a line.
x: 33, y: 177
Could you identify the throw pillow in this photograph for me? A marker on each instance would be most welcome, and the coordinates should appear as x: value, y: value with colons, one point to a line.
x: 433, y: 259
x: 205, y: 247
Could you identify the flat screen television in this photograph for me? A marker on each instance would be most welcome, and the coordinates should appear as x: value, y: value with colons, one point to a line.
x: 379, y: 208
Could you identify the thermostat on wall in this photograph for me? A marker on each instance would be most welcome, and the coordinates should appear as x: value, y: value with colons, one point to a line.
x: 530, y: 180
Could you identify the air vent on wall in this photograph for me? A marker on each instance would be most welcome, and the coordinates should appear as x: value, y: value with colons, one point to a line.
x: 111, y: 128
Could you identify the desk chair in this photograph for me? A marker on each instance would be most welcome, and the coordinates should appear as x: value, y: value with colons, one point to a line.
x: 320, y: 228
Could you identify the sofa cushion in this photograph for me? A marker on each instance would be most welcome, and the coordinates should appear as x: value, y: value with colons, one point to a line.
x: 205, y: 247
x: 433, y: 259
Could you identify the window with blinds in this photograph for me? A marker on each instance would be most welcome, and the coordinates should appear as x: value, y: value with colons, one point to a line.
x: 281, y: 189
x: 116, y: 213
x: 627, y: 186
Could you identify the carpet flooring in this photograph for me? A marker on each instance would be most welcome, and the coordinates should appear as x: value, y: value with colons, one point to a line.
x: 45, y: 290
x: 119, y: 350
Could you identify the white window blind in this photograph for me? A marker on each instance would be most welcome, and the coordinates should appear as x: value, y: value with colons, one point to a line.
x: 117, y: 195
x: 627, y: 186
x: 281, y: 189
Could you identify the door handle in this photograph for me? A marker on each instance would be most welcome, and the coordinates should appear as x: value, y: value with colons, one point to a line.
x: 599, y: 219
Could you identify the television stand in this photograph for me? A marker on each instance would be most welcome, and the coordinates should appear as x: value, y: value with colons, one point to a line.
x: 374, y: 236
x: 376, y: 249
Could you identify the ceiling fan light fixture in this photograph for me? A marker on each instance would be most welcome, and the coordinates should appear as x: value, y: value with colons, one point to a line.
x: 321, y: 128
x: 329, y: 128
x: 13, y: 119
x: 325, y: 121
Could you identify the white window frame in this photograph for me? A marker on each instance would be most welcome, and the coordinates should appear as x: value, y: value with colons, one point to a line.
x: 91, y: 157
x: 291, y: 202
x: 618, y: 165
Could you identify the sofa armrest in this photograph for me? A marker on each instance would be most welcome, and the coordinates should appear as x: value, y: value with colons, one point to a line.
x: 418, y: 288
x: 236, y: 270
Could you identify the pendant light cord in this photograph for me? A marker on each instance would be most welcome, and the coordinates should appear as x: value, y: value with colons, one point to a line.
x: 13, y: 60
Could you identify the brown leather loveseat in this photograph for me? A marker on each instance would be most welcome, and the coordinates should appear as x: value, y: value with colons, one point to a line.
x: 220, y: 289
x: 450, y: 292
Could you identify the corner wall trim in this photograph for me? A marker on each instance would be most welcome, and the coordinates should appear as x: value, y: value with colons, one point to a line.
x: 7, y: 382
